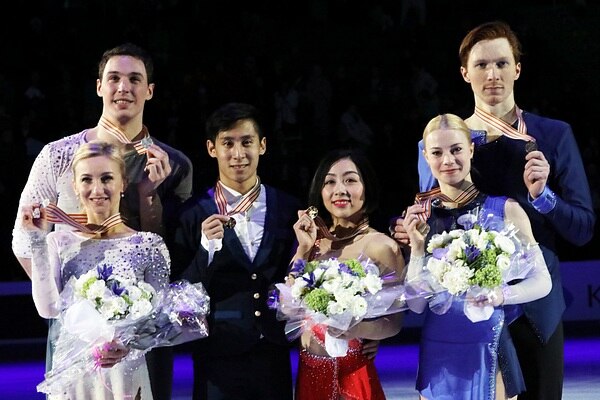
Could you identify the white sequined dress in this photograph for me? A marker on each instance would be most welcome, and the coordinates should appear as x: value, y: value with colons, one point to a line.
x: 139, y: 256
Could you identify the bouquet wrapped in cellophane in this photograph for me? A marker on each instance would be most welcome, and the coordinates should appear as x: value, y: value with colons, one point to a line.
x: 338, y: 294
x: 470, y: 264
x: 100, y: 307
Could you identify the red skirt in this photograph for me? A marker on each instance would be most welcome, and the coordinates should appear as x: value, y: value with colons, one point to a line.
x: 352, y: 376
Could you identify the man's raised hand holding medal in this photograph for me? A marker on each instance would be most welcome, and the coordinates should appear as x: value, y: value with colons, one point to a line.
x: 157, y: 168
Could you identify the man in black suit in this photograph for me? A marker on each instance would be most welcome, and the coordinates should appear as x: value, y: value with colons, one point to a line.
x: 237, y: 239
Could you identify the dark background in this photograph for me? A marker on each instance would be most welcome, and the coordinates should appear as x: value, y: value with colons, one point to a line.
x: 398, y: 65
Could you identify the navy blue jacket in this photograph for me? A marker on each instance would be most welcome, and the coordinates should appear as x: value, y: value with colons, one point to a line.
x: 237, y: 286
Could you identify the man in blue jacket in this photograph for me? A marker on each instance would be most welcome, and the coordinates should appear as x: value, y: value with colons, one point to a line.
x: 536, y: 161
x: 237, y: 239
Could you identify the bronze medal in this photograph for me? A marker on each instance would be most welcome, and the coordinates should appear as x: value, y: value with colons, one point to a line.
x: 230, y: 224
x: 312, y: 212
x: 530, y: 146
x: 423, y: 228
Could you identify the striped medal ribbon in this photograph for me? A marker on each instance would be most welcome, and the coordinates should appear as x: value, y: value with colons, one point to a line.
x: 323, y: 232
x: 426, y: 199
x: 507, y: 129
x: 80, y: 221
x: 140, y: 146
x: 243, y: 205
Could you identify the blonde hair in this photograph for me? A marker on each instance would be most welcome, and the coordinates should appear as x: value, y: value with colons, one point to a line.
x: 97, y: 148
x: 447, y: 121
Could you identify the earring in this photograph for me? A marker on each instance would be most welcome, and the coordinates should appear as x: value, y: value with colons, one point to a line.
x: 122, y: 194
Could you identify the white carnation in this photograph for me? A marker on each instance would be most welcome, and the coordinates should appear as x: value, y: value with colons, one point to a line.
x: 372, y: 283
x: 97, y: 290
x: 334, y: 308
x: 437, y: 267
x: 358, y: 306
x: 503, y: 262
x: 454, y: 234
x: 113, y: 306
x: 140, y: 308
x: 505, y: 244
x: 456, y: 280
x: 298, y: 288
x: 333, y: 285
x: 455, y: 249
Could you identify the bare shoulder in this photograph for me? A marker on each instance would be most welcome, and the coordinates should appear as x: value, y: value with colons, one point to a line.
x: 383, y: 250
x: 513, y: 209
x: 514, y: 213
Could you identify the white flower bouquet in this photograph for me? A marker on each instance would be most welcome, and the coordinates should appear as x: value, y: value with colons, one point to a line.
x: 338, y: 294
x: 99, y: 307
x: 472, y: 262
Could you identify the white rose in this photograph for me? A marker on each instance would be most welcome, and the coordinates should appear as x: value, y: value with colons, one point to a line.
x: 82, y: 279
x: 318, y: 273
x: 134, y: 293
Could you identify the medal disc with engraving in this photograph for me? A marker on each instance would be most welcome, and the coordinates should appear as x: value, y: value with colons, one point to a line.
x: 423, y: 228
x: 312, y: 212
x: 147, y: 142
x: 230, y: 223
x: 530, y: 146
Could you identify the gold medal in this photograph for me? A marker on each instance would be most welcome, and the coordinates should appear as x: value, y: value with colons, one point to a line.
x: 230, y: 224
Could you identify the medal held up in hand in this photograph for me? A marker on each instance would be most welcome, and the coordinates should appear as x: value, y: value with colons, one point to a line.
x: 530, y: 146
x: 312, y: 212
x: 229, y: 224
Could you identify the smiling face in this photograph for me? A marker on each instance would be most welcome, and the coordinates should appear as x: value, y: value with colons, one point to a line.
x: 98, y: 182
x: 237, y: 151
x: 124, y: 89
x: 448, y: 153
x: 492, y: 71
x: 343, y: 192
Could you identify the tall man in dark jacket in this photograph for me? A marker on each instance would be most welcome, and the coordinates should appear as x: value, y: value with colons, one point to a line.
x: 237, y: 239
x: 536, y: 161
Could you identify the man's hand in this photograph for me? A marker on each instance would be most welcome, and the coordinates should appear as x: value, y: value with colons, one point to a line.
x: 535, y: 175
x: 157, y: 170
x: 370, y: 348
x: 212, y: 227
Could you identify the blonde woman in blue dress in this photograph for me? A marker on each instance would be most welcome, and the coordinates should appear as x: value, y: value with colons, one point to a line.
x: 458, y: 358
